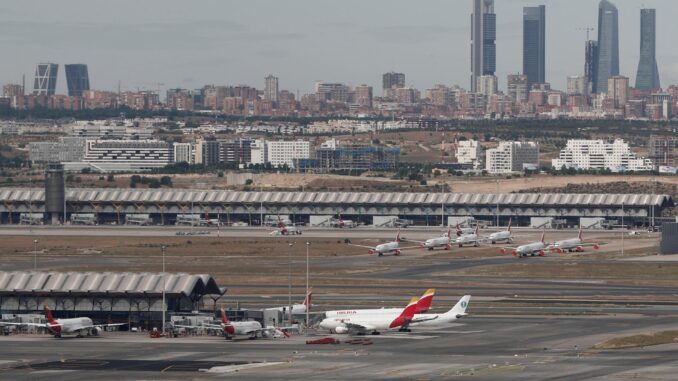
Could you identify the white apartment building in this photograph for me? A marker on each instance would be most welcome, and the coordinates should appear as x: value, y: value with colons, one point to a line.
x: 283, y: 152
x: 67, y: 148
x: 511, y: 157
x: 124, y: 155
x: 488, y: 85
x: 259, y: 154
x: 183, y: 153
x: 469, y: 152
x: 599, y: 154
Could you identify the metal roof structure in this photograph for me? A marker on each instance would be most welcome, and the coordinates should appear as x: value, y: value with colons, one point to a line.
x: 226, y: 197
x: 107, y: 284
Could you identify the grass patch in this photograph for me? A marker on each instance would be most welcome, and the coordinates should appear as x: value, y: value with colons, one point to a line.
x: 639, y: 341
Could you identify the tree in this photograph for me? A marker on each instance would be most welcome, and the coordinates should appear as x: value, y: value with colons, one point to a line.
x: 154, y: 183
x: 166, y: 181
x: 249, y: 182
x: 110, y: 178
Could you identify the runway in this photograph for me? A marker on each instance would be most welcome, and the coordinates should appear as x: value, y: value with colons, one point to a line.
x: 478, y: 348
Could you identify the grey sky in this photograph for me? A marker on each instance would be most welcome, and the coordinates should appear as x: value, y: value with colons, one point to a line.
x: 191, y: 43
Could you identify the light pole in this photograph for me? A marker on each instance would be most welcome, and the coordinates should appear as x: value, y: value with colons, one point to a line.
x: 307, y: 309
x: 35, y: 255
x: 289, y: 284
x: 164, y: 287
x: 623, y: 234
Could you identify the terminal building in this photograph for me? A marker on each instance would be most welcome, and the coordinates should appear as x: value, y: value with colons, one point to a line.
x: 163, y: 206
x: 133, y: 298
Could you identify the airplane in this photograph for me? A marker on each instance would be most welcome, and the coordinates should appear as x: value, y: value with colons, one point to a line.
x: 339, y: 324
x: 82, y: 326
x: 469, y: 239
x: 504, y: 235
x: 374, y: 323
x: 387, y: 248
x: 530, y: 249
x: 250, y: 329
x: 423, y: 305
x: 285, y: 230
x: 445, y: 241
x: 298, y: 308
x: 464, y: 231
x: 574, y: 244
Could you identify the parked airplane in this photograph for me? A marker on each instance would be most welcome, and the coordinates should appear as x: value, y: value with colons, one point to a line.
x: 423, y: 305
x: 445, y: 241
x: 465, y: 231
x: 82, y: 326
x: 340, y: 324
x: 574, y: 244
x: 299, y: 308
x: 530, y: 249
x: 374, y: 323
x: 387, y: 248
x: 502, y: 236
x: 469, y: 239
x: 285, y: 230
x: 249, y: 329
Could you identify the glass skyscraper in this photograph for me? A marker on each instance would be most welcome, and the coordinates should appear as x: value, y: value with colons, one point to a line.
x: 45, y: 79
x: 77, y: 79
x: 647, y: 77
x: 534, y: 44
x: 608, y: 45
x: 483, y: 37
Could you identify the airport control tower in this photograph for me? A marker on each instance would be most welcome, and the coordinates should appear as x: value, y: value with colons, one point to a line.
x: 55, y: 193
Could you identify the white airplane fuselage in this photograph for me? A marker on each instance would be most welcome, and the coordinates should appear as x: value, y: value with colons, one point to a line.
x: 469, y: 239
x: 71, y: 326
x: 387, y: 248
x: 530, y: 249
x: 437, y: 242
x: 568, y: 244
x: 372, y: 322
x: 502, y: 236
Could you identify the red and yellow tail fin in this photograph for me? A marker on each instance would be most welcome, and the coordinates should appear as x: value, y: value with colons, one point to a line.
x: 48, y: 314
x: 425, y: 301
x: 307, y: 300
x: 224, y: 318
x: 407, y: 314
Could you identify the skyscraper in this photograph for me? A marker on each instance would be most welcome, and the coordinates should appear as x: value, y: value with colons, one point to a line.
x: 534, y: 44
x: 45, y: 79
x: 591, y: 66
x: 393, y: 80
x: 77, y: 79
x: 608, y: 44
x: 647, y: 76
x: 483, y: 37
x: 271, y: 88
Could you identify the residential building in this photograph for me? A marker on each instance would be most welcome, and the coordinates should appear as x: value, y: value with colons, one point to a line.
x: 608, y: 44
x: 183, y: 153
x: 407, y: 95
x: 662, y: 150
x: 236, y: 151
x: 441, y: 95
x: 284, y: 152
x: 618, y: 91
x: 45, y: 79
x: 332, y: 156
x: 487, y: 85
x: 124, y: 155
x: 647, y: 77
x: 258, y: 152
x: 332, y: 92
x: 179, y: 99
x: 517, y: 87
x: 577, y: 85
x: 599, y: 154
x: 469, y: 152
x: 483, y: 37
x: 363, y: 96
x: 511, y: 157
x: 271, y: 88
x: 12, y: 90
x: 391, y: 81
x: 77, y: 79
x: 65, y: 149
x: 534, y: 44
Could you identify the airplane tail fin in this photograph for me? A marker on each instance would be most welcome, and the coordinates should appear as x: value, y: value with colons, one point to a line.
x: 580, y: 233
x: 543, y: 235
x: 48, y: 314
x: 224, y: 318
x: 509, y: 225
x: 477, y: 227
x: 424, y: 302
x: 449, y: 232
x: 307, y: 300
x: 459, y: 309
x: 458, y: 230
x: 398, y: 236
x: 406, y: 315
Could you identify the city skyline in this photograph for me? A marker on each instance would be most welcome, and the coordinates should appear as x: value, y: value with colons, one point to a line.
x: 271, y: 48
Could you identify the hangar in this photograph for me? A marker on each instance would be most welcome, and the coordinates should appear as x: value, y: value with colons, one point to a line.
x: 162, y: 206
x: 134, y: 298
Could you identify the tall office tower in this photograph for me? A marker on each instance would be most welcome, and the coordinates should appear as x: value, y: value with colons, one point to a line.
x: 77, y: 79
x: 483, y: 37
x: 647, y: 76
x: 271, y: 88
x: 608, y: 44
x: 45, y: 79
x: 393, y: 80
x: 591, y: 66
x: 534, y: 44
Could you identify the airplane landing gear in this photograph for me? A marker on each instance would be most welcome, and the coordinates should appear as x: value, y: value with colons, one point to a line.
x: 376, y: 333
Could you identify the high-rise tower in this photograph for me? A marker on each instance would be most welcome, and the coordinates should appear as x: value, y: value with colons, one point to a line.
x: 45, y: 79
x: 77, y: 79
x: 591, y: 66
x: 483, y: 41
x: 534, y: 44
x: 647, y: 77
x: 608, y: 45
x: 271, y: 88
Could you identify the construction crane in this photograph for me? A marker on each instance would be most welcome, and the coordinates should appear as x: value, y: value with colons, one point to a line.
x: 588, y: 32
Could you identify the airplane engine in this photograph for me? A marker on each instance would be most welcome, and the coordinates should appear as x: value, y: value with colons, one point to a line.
x: 559, y: 251
x: 579, y: 249
x: 96, y: 331
x: 341, y: 330
x: 502, y: 251
x: 515, y: 253
x: 448, y: 247
x: 541, y: 253
x: 596, y: 247
x: 371, y: 251
x: 397, y: 252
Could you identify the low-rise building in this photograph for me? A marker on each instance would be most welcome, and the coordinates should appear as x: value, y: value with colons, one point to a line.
x: 511, y: 157
x: 469, y: 152
x: 125, y: 155
x: 615, y: 156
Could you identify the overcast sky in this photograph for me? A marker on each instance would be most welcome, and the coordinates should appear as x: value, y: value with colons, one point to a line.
x: 188, y: 44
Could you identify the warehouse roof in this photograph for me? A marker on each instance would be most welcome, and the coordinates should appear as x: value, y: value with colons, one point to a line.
x: 108, y: 283
x: 93, y: 195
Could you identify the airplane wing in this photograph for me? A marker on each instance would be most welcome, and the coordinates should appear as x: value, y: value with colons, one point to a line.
x: 363, y: 246
x: 409, y: 247
x: 210, y: 327
x: 359, y: 327
x: 420, y: 319
x: 26, y: 324
x: 411, y: 240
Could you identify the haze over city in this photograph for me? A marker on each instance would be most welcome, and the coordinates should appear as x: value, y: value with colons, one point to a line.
x: 188, y: 45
